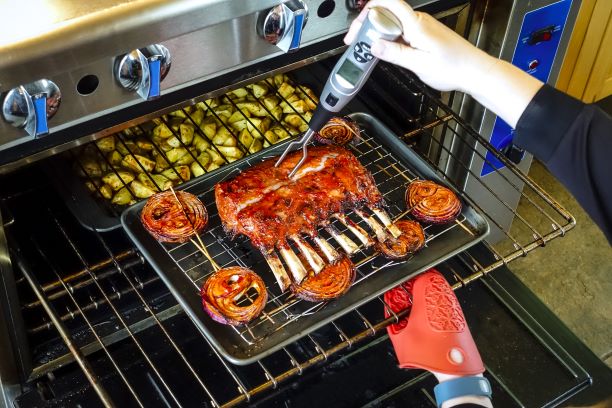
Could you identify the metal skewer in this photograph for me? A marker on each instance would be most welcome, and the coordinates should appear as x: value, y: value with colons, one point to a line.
x: 200, y: 244
x: 303, y: 141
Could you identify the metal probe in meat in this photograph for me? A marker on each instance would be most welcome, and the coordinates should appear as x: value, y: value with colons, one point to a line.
x: 348, y: 76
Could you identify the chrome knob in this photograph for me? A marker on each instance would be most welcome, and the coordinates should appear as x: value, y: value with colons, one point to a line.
x: 282, y: 25
x: 142, y: 70
x: 30, y: 106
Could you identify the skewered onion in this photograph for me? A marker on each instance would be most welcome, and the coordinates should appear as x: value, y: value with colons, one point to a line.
x: 169, y: 220
x: 338, y: 131
x: 332, y: 282
x: 432, y: 203
x: 411, y: 240
x: 227, y: 296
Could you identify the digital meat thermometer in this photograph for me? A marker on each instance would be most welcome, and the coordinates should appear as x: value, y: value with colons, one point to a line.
x: 349, y: 75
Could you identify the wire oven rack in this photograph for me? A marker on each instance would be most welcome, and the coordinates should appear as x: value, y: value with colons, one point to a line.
x: 72, y: 298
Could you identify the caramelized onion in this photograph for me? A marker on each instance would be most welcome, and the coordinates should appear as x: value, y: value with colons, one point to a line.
x: 411, y: 240
x: 170, y: 221
x: 338, y: 131
x: 432, y: 203
x: 333, y: 281
x: 226, y: 299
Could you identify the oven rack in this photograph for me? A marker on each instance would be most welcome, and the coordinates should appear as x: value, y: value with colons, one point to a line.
x: 100, y: 291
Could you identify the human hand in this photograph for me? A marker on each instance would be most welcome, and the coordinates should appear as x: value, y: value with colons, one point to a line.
x: 446, y: 61
x: 436, y: 54
x: 435, y: 337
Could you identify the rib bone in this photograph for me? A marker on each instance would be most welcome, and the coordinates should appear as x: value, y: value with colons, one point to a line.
x: 345, y: 242
x: 316, y: 262
x: 278, y: 270
x: 359, y: 232
x: 328, y: 250
x: 379, y: 230
x: 295, y: 265
x: 386, y: 220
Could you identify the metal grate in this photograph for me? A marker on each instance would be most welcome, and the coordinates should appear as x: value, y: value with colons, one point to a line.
x: 196, y: 366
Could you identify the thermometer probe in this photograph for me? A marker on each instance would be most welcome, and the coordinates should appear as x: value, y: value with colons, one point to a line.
x: 348, y: 76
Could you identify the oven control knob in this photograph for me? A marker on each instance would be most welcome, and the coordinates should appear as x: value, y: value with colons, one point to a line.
x: 283, y: 25
x: 142, y: 70
x: 30, y: 106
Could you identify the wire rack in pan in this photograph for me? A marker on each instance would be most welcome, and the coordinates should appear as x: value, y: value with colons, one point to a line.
x: 283, y: 310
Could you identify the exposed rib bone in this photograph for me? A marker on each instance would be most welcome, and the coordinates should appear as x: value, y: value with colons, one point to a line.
x: 278, y: 270
x: 386, y: 220
x: 295, y: 265
x: 316, y: 262
x: 359, y: 232
x: 379, y: 230
x: 328, y: 250
x: 345, y: 242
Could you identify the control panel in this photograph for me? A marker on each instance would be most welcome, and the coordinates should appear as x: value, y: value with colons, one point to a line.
x: 535, y: 53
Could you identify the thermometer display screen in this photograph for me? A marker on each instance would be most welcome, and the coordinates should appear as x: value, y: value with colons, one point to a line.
x: 350, y: 72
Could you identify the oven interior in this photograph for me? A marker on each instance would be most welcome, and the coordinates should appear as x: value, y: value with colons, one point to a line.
x: 94, y: 325
x: 90, y: 296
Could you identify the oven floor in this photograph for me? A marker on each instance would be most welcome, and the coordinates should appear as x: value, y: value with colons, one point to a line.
x: 572, y: 275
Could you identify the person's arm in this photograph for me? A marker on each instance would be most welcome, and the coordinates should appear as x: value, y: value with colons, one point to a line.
x: 574, y: 140
x: 446, y: 61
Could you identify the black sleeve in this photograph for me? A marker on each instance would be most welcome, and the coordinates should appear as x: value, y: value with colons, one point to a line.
x: 574, y: 140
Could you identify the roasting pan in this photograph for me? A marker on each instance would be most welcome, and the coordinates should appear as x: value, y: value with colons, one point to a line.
x: 286, y: 319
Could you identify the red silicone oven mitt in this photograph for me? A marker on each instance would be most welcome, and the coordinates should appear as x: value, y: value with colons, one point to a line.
x: 435, y: 335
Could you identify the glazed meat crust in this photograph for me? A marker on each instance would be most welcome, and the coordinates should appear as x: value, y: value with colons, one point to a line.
x: 268, y: 207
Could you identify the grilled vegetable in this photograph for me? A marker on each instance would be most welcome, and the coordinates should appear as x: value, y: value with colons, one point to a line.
x: 122, y: 197
x: 162, y: 130
x: 106, y: 144
x: 140, y: 190
x: 138, y: 163
x: 200, y: 143
x: 91, y: 167
x: 155, y: 182
x: 179, y: 174
x: 118, y: 179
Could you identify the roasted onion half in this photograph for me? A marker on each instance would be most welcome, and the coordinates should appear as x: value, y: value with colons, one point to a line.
x: 411, y: 240
x: 338, y: 131
x: 432, y: 203
x: 333, y: 281
x: 234, y: 295
x: 169, y: 220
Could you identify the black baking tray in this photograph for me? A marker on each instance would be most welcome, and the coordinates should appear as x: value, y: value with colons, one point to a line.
x: 184, y: 270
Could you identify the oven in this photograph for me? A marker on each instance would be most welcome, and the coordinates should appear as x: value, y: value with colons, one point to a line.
x: 90, y: 318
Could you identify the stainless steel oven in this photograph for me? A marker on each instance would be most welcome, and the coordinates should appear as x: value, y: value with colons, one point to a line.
x: 88, y: 320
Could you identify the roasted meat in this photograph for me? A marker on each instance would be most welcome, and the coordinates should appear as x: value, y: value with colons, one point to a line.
x: 268, y: 207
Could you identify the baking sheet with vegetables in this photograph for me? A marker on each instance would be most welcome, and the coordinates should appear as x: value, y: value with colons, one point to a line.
x: 123, y: 168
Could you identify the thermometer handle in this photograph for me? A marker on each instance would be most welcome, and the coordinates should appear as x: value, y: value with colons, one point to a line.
x: 356, y: 64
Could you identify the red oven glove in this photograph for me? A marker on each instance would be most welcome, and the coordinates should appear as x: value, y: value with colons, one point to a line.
x: 435, y: 335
